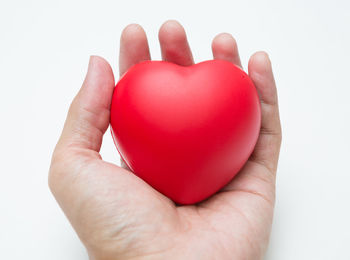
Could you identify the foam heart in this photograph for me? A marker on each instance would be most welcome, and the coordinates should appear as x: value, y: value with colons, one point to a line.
x: 186, y: 131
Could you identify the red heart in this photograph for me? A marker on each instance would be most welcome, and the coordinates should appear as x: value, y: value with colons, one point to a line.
x: 186, y: 131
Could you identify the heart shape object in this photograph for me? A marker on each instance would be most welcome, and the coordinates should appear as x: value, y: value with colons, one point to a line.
x: 186, y: 131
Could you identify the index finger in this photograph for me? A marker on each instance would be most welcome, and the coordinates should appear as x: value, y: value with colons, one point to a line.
x: 133, y: 47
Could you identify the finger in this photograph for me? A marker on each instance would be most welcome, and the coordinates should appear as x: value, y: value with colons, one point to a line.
x: 224, y: 47
x: 174, y: 45
x: 267, y: 148
x: 88, y: 115
x: 257, y: 177
x: 133, y: 47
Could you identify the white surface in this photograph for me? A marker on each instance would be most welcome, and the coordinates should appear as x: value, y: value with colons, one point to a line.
x: 44, y: 50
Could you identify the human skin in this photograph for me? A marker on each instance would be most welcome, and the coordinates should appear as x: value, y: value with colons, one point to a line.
x: 119, y: 216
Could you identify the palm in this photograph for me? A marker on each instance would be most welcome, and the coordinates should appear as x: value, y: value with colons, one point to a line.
x: 121, y: 215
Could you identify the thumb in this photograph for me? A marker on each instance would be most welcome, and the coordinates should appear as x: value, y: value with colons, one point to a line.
x: 81, y: 138
x: 88, y: 115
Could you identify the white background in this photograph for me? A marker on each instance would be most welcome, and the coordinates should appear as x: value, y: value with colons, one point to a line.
x: 44, y: 51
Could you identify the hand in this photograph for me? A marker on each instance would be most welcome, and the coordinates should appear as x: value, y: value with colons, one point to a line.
x: 119, y: 216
